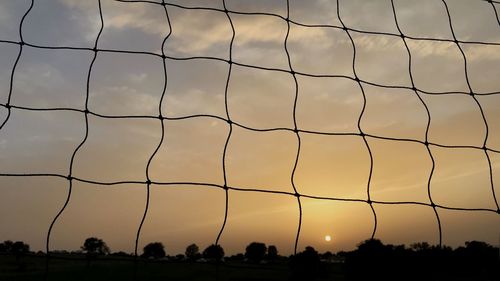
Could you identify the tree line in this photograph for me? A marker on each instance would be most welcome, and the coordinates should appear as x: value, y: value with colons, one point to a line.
x: 94, y: 247
x: 254, y: 252
x: 371, y: 259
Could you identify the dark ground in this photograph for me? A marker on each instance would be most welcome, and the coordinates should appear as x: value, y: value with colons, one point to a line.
x: 33, y: 268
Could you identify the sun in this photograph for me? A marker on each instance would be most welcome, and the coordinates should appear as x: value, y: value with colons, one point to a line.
x: 328, y: 238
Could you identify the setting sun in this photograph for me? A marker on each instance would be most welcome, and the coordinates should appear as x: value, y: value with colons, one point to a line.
x: 328, y: 238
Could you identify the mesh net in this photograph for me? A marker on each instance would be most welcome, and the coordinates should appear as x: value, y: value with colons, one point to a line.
x: 161, y: 117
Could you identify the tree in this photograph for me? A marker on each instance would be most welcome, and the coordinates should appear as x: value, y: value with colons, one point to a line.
x: 420, y: 246
x: 478, y: 256
x: 255, y: 251
x: 94, y: 246
x: 373, y: 258
x: 19, y: 248
x: 327, y: 256
x: 193, y: 252
x: 214, y: 252
x: 6, y: 246
x: 272, y: 253
x: 305, y: 265
x: 154, y: 250
x: 372, y: 246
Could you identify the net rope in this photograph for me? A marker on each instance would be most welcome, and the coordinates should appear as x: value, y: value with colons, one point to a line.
x: 298, y: 132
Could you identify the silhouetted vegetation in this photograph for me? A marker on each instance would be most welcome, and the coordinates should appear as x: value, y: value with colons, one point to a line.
x: 272, y: 253
x: 154, y: 250
x: 120, y: 254
x: 94, y: 247
x: 193, y: 252
x: 372, y: 260
x: 305, y: 265
x: 214, y: 253
x: 255, y: 252
x: 5, y: 246
x: 17, y: 248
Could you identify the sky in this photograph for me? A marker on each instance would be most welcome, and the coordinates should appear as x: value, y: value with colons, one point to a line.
x: 334, y: 166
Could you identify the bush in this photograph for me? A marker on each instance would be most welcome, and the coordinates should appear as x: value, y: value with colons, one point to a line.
x: 154, y: 250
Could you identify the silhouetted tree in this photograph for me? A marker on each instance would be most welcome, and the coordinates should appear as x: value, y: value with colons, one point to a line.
x: 193, y: 252
x: 154, y: 250
x: 478, y: 260
x: 121, y: 254
x: 6, y: 246
x: 238, y: 257
x: 420, y: 246
x: 19, y: 248
x: 272, y: 253
x: 371, y: 259
x: 255, y: 251
x: 180, y: 257
x: 373, y: 246
x: 214, y: 252
x: 305, y: 265
x: 327, y: 256
x: 374, y: 260
x: 94, y: 247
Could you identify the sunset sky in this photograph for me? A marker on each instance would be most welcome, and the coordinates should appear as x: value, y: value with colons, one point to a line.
x: 335, y: 165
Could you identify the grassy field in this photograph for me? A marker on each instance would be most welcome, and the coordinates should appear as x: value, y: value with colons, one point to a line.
x: 33, y: 268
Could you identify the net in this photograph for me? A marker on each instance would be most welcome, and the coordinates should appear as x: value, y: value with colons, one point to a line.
x: 298, y: 132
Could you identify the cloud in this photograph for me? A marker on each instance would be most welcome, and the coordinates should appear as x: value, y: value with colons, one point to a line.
x: 197, y: 32
x: 123, y: 100
x: 138, y: 78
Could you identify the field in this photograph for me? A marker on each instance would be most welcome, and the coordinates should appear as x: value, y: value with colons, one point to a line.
x: 33, y: 268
